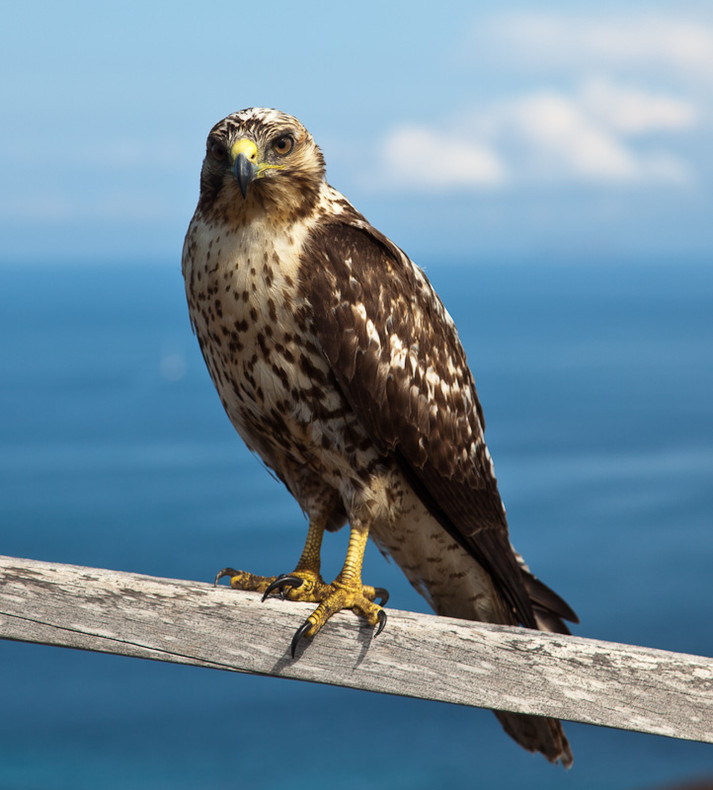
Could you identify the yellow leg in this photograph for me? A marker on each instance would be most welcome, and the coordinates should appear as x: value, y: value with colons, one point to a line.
x: 306, y: 572
x: 347, y: 592
x: 305, y: 583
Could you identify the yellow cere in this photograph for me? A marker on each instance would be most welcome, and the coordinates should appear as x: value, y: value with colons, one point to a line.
x: 246, y: 147
x: 249, y: 149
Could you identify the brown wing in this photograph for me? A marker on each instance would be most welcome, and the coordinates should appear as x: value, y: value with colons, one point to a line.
x: 395, y: 352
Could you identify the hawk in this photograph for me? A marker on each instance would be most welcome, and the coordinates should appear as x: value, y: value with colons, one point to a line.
x: 339, y: 366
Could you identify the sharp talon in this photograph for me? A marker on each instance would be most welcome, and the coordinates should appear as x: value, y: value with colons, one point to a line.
x: 280, y: 582
x: 299, y: 633
x: 382, y: 594
x: 282, y: 589
x: 223, y: 572
x: 382, y: 621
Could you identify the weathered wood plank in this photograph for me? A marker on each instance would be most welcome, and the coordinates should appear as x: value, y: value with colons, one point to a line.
x: 624, y: 686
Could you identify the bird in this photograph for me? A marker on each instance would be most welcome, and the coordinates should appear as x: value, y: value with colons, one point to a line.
x: 340, y: 367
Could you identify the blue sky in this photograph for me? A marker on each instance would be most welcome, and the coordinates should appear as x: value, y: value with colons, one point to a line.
x: 464, y: 131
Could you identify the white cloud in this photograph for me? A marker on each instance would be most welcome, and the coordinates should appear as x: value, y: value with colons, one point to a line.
x: 634, y: 111
x: 560, y: 140
x: 614, y: 40
x: 583, y: 136
x: 419, y: 156
x: 594, y: 135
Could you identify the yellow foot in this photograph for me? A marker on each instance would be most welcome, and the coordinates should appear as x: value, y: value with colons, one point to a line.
x: 306, y: 585
x: 300, y: 585
x: 242, y: 580
x: 311, y: 585
x: 337, y: 596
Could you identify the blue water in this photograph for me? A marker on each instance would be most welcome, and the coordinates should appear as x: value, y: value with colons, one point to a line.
x: 597, y: 384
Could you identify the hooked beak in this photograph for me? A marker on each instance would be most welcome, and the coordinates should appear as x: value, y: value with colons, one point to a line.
x: 244, y: 155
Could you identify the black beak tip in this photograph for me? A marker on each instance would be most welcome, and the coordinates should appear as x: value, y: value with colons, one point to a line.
x: 245, y: 172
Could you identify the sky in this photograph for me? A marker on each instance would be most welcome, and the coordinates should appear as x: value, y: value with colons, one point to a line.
x: 466, y: 132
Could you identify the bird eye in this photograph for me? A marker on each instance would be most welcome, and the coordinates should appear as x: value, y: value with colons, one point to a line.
x: 217, y: 150
x: 283, y: 144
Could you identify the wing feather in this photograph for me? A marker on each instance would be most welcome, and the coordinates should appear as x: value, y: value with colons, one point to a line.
x: 396, y: 355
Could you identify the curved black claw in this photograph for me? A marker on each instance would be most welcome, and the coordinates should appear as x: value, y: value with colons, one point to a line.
x: 224, y: 572
x: 382, y: 594
x: 299, y: 633
x: 382, y: 622
x: 280, y: 583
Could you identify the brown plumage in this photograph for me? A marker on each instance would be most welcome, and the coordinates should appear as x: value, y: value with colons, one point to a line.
x: 338, y: 364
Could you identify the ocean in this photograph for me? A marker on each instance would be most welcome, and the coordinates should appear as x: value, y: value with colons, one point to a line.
x: 597, y: 385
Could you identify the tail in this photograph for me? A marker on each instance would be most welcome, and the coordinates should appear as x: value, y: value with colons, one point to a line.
x: 534, y: 733
x: 539, y: 733
x: 461, y: 587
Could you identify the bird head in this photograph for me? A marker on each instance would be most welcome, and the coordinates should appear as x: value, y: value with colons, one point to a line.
x: 260, y: 160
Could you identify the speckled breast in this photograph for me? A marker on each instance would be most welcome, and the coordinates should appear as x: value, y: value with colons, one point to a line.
x: 253, y: 327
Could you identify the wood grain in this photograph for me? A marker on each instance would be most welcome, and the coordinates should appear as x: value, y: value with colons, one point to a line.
x: 514, y: 669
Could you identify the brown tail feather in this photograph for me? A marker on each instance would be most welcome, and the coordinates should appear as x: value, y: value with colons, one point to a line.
x: 463, y: 588
x: 538, y: 734
x: 550, y: 610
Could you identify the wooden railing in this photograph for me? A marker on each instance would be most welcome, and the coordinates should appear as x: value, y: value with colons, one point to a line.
x: 437, y: 658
